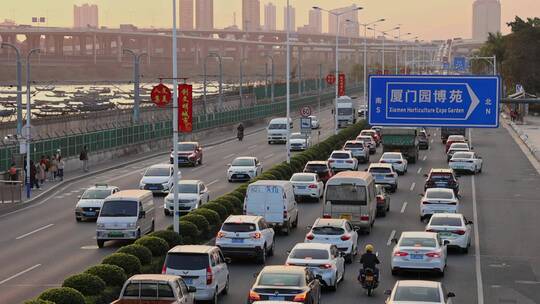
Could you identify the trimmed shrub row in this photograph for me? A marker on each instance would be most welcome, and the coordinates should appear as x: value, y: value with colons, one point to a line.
x: 102, y: 283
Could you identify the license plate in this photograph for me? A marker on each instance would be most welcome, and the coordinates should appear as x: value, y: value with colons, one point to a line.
x: 238, y: 241
x: 340, y: 162
x: 445, y: 234
x: 417, y: 256
x: 152, y: 188
x: 300, y: 187
x: 275, y: 298
x: 440, y: 184
x: 188, y: 281
x: 90, y: 213
x: 115, y: 234
x: 346, y: 216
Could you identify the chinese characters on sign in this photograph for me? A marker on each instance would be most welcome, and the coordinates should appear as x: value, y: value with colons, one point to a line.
x: 426, y: 96
x: 161, y: 95
x: 185, y: 108
x: 341, y: 85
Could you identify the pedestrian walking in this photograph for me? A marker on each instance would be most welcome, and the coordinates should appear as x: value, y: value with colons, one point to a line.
x: 84, y: 158
x: 54, y: 167
x: 41, y: 168
x: 33, y: 175
x: 61, y: 165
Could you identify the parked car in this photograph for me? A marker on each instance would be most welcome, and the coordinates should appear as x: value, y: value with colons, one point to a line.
x: 324, y: 260
x: 246, y: 236
x: 452, y: 227
x: 286, y: 283
x: 91, y: 201
x: 416, y: 291
x: 244, y: 169
x: 191, y: 195
x: 189, y: 153
x: 158, y: 178
x: 342, y: 160
x: 383, y: 200
x: 419, y: 251
x: 466, y: 161
x: 358, y: 149
x: 156, y: 288
x: 202, y: 267
x: 338, y: 232
x: 322, y: 169
x: 307, y: 185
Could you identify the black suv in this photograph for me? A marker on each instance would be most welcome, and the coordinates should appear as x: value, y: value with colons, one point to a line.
x: 442, y: 178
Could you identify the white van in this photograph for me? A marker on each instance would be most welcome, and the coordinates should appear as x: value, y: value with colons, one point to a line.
x: 277, y: 130
x: 125, y: 215
x: 351, y: 195
x: 273, y: 200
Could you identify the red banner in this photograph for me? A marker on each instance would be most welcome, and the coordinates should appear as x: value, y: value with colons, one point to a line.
x: 185, y: 108
x: 161, y: 95
x: 341, y: 84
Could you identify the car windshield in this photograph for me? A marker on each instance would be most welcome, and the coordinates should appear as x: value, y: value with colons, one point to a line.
x: 302, y: 178
x: 340, y: 155
x: 239, y: 227
x: 353, y: 146
x: 281, y: 279
x: 365, y: 138
x: 441, y: 176
x: 186, y: 261
x: 346, y: 194
x: 391, y: 156
x: 380, y: 170
x: 277, y: 126
x: 119, y: 209
x: 95, y: 194
x: 187, y: 188
x: 344, y: 111
x: 367, y: 133
x: 297, y: 136
x: 327, y: 230
x: 459, y: 146
x: 418, y: 242
x: 186, y: 147
x: 158, y: 172
x: 148, y: 290
x: 445, y: 221
x: 463, y: 155
x: 440, y: 194
x: 309, y: 254
x: 417, y: 294
x: 316, y: 168
x: 243, y: 162
x: 456, y: 138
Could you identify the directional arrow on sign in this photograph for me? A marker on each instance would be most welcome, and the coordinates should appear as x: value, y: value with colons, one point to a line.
x: 474, y: 101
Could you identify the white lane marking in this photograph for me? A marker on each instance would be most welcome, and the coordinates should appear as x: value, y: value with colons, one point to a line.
x: 269, y: 156
x: 403, y: 207
x: 412, y: 186
x: 419, y: 170
x: 228, y: 156
x: 74, y: 191
x: 122, y: 176
x: 212, y: 182
x: 89, y: 247
x: 431, y: 140
x: 479, y: 283
x: 392, y: 235
x: 20, y: 273
x: 252, y: 147
x: 34, y: 231
x: 197, y: 168
x: 82, y: 189
x: 425, y: 157
x: 527, y: 282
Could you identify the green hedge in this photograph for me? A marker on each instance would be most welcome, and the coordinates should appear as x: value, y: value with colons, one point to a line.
x: 189, y: 232
x: 222, y: 211
x: 157, y: 246
x: 87, y: 284
x: 202, y: 224
x: 128, y: 262
x: 211, y: 216
x: 172, y: 238
x: 38, y: 301
x: 112, y: 275
x: 142, y: 253
x: 62, y: 295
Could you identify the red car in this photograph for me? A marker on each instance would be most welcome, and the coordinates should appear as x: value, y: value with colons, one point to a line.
x: 454, y: 139
x: 376, y: 137
x: 322, y: 169
x: 189, y: 153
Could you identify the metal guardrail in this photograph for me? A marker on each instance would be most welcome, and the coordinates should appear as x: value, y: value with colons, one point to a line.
x: 10, y: 191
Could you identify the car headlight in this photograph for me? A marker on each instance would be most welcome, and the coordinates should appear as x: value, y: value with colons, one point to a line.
x: 132, y: 225
x: 100, y: 225
x: 78, y: 209
x: 251, y: 171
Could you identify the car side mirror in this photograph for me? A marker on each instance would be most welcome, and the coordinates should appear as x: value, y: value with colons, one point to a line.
x: 228, y: 165
x: 366, y: 170
x: 191, y: 289
x: 472, y: 148
x: 388, y: 292
x: 142, y: 214
x: 79, y: 197
x: 451, y: 295
x: 446, y: 242
x: 228, y: 260
x: 425, y: 175
x: 421, y: 194
x: 288, y: 252
x: 309, y: 227
x: 394, y: 241
x: 256, y: 274
x: 469, y: 222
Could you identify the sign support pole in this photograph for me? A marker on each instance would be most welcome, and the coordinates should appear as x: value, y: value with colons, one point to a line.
x: 176, y: 215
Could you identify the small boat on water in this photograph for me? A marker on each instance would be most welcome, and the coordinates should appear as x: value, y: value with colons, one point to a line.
x: 7, y: 112
x: 56, y: 93
x: 100, y: 90
x: 44, y: 89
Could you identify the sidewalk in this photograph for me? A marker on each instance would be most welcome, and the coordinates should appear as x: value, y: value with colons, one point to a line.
x: 529, y: 132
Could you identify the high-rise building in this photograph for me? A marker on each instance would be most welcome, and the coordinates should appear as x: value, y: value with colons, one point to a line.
x: 486, y: 18
x: 251, y: 15
x: 186, y: 14
x: 292, y: 18
x: 85, y: 15
x: 270, y: 17
x: 345, y: 28
x: 204, y: 11
x: 315, y: 21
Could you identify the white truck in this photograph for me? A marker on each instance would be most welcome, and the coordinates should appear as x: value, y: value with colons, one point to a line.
x: 346, y: 111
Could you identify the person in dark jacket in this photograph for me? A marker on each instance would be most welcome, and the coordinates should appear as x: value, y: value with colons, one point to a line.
x: 84, y: 158
x: 369, y: 260
x: 33, y: 175
x: 240, y: 132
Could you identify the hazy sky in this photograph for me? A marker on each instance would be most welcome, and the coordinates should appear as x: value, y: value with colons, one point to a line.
x: 429, y: 19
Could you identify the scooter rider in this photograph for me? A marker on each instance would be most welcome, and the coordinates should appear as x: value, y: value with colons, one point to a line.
x: 369, y: 260
x: 240, y: 132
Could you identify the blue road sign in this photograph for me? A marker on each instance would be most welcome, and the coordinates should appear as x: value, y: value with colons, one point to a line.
x: 460, y: 63
x: 437, y: 101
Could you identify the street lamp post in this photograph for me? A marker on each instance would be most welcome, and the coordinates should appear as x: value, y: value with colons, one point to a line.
x: 406, y: 56
x: 220, y: 97
x: 19, y: 85
x: 241, y: 81
x: 383, y: 43
x: 398, y: 48
x: 273, y: 77
x: 28, y: 120
x: 176, y: 215
x: 136, y: 80
x: 337, y: 15
x: 365, y: 25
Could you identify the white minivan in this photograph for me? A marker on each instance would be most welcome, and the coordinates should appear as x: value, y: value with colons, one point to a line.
x: 273, y: 200
x: 351, y: 195
x: 277, y: 130
x: 125, y: 215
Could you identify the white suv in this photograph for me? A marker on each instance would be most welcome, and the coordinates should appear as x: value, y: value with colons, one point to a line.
x: 342, y: 160
x: 339, y: 232
x: 246, y: 235
x: 203, y: 267
x: 385, y: 175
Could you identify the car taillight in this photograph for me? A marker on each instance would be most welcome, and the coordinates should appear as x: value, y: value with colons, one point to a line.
x: 330, y: 161
x: 310, y: 236
x: 209, y: 276
x: 312, y: 186
x: 433, y: 254
x: 326, y: 216
x: 389, y: 175
x: 325, y: 266
x: 300, y: 297
x: 255, y: 235
x: 460, y: 232
x: 220, y: 235
x: 452, y: 203
x: 431, y: 230
x: 285, y: 213
x: 253, y: 296
x: 426, y: 203
x: 383, y: 161
x: 345, y: 237
x: 398, y: 162
x: 164, y: 269
x: 400, y: 253
x: 364, y: 217
x: 380, y: 200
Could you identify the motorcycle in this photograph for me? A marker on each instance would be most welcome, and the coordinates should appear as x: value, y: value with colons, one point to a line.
x: 369, y: 280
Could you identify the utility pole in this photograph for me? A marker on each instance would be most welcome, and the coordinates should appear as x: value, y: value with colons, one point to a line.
x: 136, y: 81
x: 19, y: 85
x: 28, y: 121
x: 176, y: 216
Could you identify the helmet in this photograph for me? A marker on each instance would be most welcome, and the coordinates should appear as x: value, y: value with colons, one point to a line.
x: 369, y: 248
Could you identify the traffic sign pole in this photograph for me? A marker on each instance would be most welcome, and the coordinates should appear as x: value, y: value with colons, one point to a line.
x: 176, y: 215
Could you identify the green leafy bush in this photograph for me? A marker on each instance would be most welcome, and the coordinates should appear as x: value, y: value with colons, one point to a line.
x: 62, y: 295
x: 157, y: 246
x: 199, y: 221
x: 128, y: 262
x: 211, y: 216
x: 172, y: 238
x: 112, y: 275
x: 189, y: 232
x: 87, y: 284
x: 232, y: 203
x: 38, y: 301
x: 221, y: 210
x: 142, y: 253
